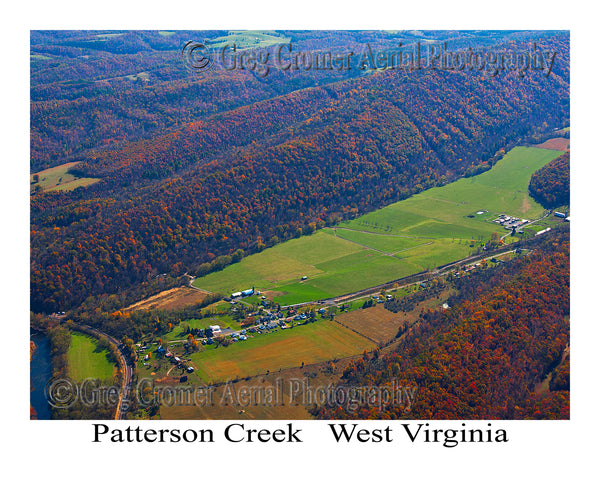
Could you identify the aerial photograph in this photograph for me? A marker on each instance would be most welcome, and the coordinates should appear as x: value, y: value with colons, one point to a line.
x: 299, y: 225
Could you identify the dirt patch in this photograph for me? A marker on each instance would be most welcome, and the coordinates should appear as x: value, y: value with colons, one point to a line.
x: 165, y: 380
x: 271, y: 294
x: 556, y: 144
x: 526, y: 205
x: 169, y: 299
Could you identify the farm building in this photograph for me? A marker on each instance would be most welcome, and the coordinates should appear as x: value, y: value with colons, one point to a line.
x: 560, y: 215
x: 243, y: 293
x: 543, y: 231
x: 247, y: 293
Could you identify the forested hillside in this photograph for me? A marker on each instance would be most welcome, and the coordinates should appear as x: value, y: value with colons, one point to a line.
x: 550, y: 185
x: 250, y: 173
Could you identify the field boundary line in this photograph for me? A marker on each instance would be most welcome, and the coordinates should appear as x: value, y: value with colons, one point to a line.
x: 356, y: 331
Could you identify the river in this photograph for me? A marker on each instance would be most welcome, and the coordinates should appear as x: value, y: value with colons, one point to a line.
x: 41, y: 373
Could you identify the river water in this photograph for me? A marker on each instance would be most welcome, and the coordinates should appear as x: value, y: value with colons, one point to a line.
x: 41, y: 373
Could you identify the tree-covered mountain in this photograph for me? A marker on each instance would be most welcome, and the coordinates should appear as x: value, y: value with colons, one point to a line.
x: 550, y: 185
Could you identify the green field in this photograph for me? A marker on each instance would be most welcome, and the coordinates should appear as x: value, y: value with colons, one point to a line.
x: 86, y: 360
x: 427, y: 230
x: 57, y: 178
x: 249, y: 39
x: 312, y: 343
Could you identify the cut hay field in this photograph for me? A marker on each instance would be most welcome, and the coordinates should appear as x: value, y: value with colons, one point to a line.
x: 281, y: 349
x: 58, y: 179
x: 427, y: 230
x: 171, y: 299
x: 375, y: 322
x: 86, y: 360
x: 556, y: 144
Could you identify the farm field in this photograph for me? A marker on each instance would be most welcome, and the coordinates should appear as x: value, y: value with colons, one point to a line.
x: 556, y: 144
x: 381, y: 325
x: 249, y: 38
x: 281, y: 349
x: 228, y: 400
x: 432, y: 228
x: 86, y: 360
x: 57, y: 178
x: 376, y: 322
x: 169, y: 299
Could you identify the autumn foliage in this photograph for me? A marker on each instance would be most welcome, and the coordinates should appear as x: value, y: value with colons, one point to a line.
x: 550, y: 184
x: 482, y: 358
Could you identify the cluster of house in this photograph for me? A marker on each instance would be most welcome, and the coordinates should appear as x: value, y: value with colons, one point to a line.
x: 469, y: 268
x: 509, y: 222
x: 162, y: 351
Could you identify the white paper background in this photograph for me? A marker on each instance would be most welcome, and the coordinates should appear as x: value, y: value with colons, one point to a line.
x: 537, y: 449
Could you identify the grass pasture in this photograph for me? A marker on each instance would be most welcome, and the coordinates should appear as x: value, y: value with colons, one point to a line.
x: 249, y: 39
x: 427, y: 230
x: 86, y: 360
x: 58, y: 179
x: 281, y: 349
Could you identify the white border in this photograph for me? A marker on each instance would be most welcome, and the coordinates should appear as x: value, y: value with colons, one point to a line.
x: 554, y: 449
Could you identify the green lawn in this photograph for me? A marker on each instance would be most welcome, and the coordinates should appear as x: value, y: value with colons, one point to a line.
x: 86, y: 360
x: 311, y: 343
x: 422, y: 232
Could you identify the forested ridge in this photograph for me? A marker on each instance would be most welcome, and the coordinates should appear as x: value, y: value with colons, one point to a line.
x: 249, y: 176
x: 550, y: 185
